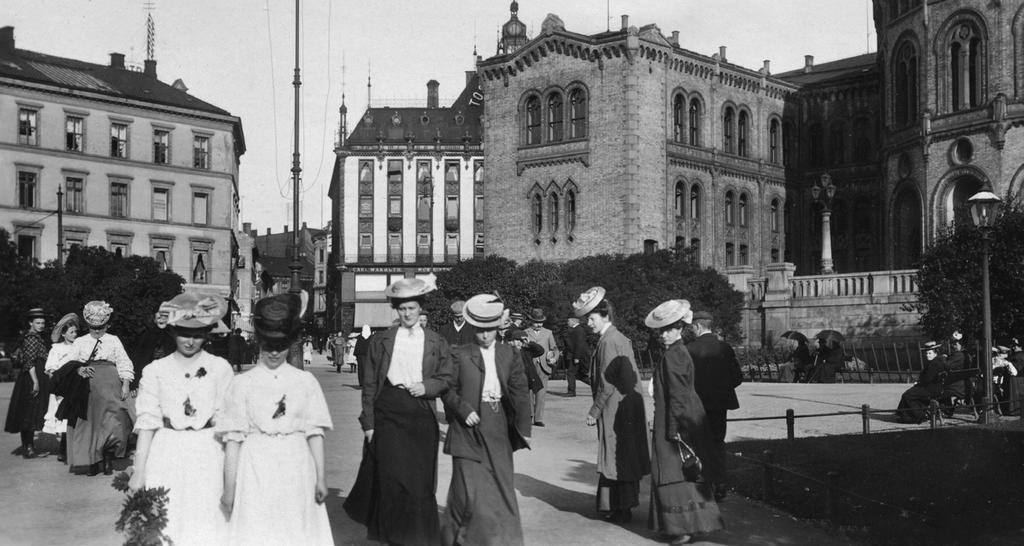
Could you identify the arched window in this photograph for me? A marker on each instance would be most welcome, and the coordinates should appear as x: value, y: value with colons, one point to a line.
x: 578, y: 114
x: 743, y: 210
x: 742, y: 134
x: 773, y: 142
x: 680, y: 199
x: 774, y: 217
x: 533, y: 120
x: 570, y: 211
x: 730, y: 209
x: 905, y: 92
x: 730, y: 254
x: 538, y: 214
x: 728, y: 119
x: 815, y: 136
x: 695, y: 202
x: 553, y: 211
x: 554, y: 117
x: 837, y: 143
x: 695, y: 245
x: 678, y: 117
x: 694, y: 122
x: 965, y: 66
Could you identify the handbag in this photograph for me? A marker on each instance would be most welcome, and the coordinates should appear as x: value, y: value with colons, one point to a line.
x: 692, y: 466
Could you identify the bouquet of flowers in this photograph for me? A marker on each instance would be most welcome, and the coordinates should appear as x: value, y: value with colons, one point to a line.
x: 143, y: 515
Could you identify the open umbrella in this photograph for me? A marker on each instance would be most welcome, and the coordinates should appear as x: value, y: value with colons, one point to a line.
x: 831, y: 336
x: 794, y: 335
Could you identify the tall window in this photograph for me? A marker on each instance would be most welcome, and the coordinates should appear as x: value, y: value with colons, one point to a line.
x: 554, y: 117
x: 743, y: 134
x: 570, y: 211
x: 678, y: 117
x: 28, y: 127
x: 201, y: 152
x: 119, y: 199
x: 695, y: 202
x: 533, y: 120
x: 161, y: 146
x: 366, y: 206
x: 451, y: 208
x: 695, y: 245
x: 694, y: 122
x: 200, y: 208
x: 161, y: 200
x: 74, y: 194
x: 680, y: 200
x: 74, y: 134
x: 743, y: 210
x: 394, y: 247
x: 728, y: 119
x: 451, y: 246
x: 201, y: 264
x: 730, y: 208
x: 773, y: 142
x: 553, y: 211
x: 28, y: 189
x: 537, y: 212
x: 744, y: 257
x: 774, y: 216
x: 730, y: 254
x: 478, y: 208
x: 905, y: 91
x: 423, y: 206
x: 578, y: 114
x: 965, y: 66
x: 119, y: 140
x: 27, y: 246
x: 162, y: 255
x: 394, y: 206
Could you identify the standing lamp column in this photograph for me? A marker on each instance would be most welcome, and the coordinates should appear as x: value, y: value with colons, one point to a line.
x: 295, y: 353
x: 984, y: 207
x: 823, y: 192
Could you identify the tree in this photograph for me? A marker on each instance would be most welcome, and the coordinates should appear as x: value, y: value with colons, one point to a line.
x: 949, y: 279
x: 15, y: 272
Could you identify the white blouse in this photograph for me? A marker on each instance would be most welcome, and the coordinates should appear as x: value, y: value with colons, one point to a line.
x: 284, y: 400
x: 492, y: 385
x: 110, y: 349
x: 406, y: 367
x: 185, y: 394
x: 60, y: 354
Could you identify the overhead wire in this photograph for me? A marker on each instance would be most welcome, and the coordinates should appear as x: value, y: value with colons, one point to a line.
x: 273, y: 101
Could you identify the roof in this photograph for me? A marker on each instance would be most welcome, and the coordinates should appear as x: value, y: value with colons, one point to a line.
x: 279, y: 244
x: 832, y: 71
x: 115, y: 82
x: 447, y: 123
x: 280, y: 267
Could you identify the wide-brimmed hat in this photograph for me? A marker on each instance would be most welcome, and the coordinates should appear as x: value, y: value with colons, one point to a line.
x: 190, y: 310
x: 457, y: 306
x: 278, y: 317
x: 669, y: 312
x: 1001, y: 349
x: 931, y: 346
x: 406, y: 288
x: 483, y: 311
x: 58, y: 329
x: 35, y: 312
x: 587, y: 301
x: 97, y: 313
x: 537, y: 315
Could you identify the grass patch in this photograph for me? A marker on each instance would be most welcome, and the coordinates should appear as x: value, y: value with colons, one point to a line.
x: 962, y: 485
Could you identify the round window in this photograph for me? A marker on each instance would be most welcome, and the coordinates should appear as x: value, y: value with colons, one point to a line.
x: 963, y: 151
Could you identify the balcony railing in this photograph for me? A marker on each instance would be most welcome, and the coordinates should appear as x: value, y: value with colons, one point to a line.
x: 872, y: 283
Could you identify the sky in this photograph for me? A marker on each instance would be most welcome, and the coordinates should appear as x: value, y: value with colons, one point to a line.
x: 240, y: 56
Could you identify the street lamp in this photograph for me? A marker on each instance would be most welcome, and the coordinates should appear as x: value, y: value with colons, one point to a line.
x: 984, y: 207
x: 823, y: 191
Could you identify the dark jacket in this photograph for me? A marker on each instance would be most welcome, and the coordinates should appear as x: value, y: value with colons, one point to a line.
x: 437, y: 369
x: 716, y: 372
x: 576, y: 347
x: 931, y: 375
x: 75, y: 392
x: 236, y: 348
x: 153, y: 344
x: 458, y: 337
x: 464, y: 398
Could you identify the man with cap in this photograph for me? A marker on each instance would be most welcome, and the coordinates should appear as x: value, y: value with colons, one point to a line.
x: 915, y: 400
x: 489, y: 414
x: 716, y: 375
x: 546, y: 363
x: 457, y: 332
x: 577, y: 353
x: 517, y: 319
x: 155, y: 343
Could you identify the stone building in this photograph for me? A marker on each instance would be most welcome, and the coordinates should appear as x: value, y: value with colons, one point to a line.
x: 141, y: 167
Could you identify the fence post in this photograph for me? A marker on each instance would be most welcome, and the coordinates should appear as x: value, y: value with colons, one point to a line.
x: 933, y: 413
x: 865, y: 418
x: 830, y: 497
x: 766, y: 475
x: 790, y: 424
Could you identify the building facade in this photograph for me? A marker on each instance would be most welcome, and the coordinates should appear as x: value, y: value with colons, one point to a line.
x: 137, y: 166
x: 407, y: 200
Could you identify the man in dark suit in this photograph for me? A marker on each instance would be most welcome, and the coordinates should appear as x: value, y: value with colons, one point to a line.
x: 577, y: 353
x: 716, y: 376
x: 458, y: 331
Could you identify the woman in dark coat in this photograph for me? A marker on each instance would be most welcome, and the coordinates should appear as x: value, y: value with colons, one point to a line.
x: 914, y: 402
x: 488, y: 412
x: 682, y: 504
x: 618, y: 411
x: 408, y: 367
x: 31, y: 395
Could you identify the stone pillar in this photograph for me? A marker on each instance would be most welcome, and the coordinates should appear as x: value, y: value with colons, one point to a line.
x: 777, y: 298
x: 826, y: 242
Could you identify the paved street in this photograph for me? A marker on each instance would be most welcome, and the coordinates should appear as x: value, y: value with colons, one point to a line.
x: 42, y: 504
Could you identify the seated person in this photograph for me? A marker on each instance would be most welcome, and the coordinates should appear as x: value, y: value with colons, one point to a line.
x: 828, y: 360
x: 798, y: 362
x: 956, y: 361
x: 914, y: 402
x: 1003, y: 384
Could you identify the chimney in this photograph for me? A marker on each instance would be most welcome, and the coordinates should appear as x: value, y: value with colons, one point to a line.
x: 808, y: 63
x: 149, y: 68
x: 7, y: 38
x: 767, y: 70
x: 303, y: 226
x: 721, y: 53
x: 117, y: 60
x: 286, y: 228
x: 625, y: 22
x: 247, y: 227
x: 432, y: 93
x: 675, y: 38
x: 268, y: 231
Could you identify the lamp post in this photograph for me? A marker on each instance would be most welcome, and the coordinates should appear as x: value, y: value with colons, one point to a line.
x: 823, y: 191
x: 984, y: 207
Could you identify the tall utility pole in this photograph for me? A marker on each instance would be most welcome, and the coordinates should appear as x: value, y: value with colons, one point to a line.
x: 295, y: 354
x: 60, y: 228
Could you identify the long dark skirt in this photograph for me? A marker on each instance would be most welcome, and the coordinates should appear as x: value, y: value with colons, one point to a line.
x: 913, y: 404
x: 615, y: 495
x: 482, y: 507
x: 406, y: 443
x: 107, y: 425
x: 26, y: 412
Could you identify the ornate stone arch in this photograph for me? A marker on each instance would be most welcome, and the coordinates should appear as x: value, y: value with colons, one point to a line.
x: 951, y: 192
x: 957, y: 22
x: 525, y: 118
x: 906, y: 218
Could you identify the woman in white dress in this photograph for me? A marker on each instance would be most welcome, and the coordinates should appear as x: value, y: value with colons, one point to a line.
x: 273, y: 427
x: 63, y: 337
x: 180, y: 399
